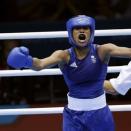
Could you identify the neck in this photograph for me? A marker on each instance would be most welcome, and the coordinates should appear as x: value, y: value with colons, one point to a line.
x: 81, y: 52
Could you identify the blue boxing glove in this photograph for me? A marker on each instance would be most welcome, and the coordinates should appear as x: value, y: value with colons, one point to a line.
x: 19, y: 57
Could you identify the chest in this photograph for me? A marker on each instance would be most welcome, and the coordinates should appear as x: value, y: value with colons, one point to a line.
x: 83, y: 70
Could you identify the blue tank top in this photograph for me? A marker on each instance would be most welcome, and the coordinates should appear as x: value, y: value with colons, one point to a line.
x: 85, y: 77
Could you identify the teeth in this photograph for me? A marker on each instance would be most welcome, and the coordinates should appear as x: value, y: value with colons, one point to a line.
x: 82, y: 41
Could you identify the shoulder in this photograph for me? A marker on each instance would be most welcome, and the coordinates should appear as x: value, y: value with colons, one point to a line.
x: 104, y: 51
x: 106, y: 48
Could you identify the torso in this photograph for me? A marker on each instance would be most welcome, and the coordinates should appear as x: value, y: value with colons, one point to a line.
x: 84, y: 76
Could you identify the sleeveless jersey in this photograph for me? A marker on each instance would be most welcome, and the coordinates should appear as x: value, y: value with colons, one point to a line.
x: 85, y: 77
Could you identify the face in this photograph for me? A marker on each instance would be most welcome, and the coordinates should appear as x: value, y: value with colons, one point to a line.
x: 81, y: 35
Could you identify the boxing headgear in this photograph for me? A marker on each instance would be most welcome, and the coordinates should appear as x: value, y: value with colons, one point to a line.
x: 81, y: 21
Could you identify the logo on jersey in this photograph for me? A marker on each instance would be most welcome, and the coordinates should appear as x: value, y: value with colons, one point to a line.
x: 93, y: 59
x: 73, y: 65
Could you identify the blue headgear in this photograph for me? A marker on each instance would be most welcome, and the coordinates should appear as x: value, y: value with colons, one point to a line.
x: 80, y: 20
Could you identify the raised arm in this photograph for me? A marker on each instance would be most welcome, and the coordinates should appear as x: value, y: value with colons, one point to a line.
x: 19, y: 57
x: 114, y: 50
x: 110, y: 50
x: 55, y: 58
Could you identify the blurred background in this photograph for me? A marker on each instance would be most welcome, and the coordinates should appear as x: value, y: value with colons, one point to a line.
x: 43, y: 91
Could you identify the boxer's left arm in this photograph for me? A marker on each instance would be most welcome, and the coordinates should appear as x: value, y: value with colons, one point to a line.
x: 113, y: 50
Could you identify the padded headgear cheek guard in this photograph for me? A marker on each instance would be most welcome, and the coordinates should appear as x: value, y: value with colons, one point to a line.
x: 80, y: 20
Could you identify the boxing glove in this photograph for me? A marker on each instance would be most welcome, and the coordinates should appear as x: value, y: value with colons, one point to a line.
x: 19, y: 57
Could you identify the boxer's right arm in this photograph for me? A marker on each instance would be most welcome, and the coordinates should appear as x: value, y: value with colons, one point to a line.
x: 19, y: 59
x: 55, y: 58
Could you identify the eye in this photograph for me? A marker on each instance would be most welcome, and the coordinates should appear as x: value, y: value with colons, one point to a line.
x: 86, y: 28
x: 82, y: 27
x: 77, y: 27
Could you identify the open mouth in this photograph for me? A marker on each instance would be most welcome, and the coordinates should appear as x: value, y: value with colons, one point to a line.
x: 82, y: 37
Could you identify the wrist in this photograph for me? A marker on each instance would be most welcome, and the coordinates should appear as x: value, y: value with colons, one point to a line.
x: 36, y: 64
x: 29, y: 62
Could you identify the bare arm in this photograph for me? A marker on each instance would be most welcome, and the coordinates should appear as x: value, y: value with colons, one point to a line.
x: 114, y: 50
x: 59, y: 56
x: 111, y: 50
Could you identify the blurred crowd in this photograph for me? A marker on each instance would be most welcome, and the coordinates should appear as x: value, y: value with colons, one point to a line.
x: 49, y: 10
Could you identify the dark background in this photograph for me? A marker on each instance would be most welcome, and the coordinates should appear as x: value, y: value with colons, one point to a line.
x: 47, y: 15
